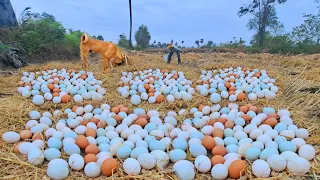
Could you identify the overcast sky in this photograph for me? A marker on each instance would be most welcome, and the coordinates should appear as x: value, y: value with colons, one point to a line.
x: 187, y: 20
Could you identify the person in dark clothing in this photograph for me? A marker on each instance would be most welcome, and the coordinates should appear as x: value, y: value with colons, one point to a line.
x: 173, y: 49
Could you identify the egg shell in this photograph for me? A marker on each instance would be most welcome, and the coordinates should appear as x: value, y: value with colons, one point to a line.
x: 92, y: 169
x: 57, y: 169
x: 11, y: 137
x: 76, y: 162
x: 237, y: 169
x: 35, y: 157
x: 261, y: 168
x: 277, y: 162
x: 131, y: 166
x: 202, y: 163
x: 109, y: 167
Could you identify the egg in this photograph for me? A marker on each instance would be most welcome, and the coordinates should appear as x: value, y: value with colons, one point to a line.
x: 298, y: 166
x: 109, y: 167
x: 11, y: 137
x: 147, y: 161
x: 38, y: 100
x: 92, y: 169
x: 208, y: 142
x: 219, y: 172
x: 261, y: 168
x: 237, y: 169
x: 252, y: 153
x: 52, y: 153
x: 58, y: 169
x: 277, y: 162
x: 307, y: 151
x: 202, y: 163
x: 76, y: 162
x: 35, y: 156
x: 131, y: 166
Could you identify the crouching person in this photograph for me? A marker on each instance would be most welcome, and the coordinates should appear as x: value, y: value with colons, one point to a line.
x: 173, y: 49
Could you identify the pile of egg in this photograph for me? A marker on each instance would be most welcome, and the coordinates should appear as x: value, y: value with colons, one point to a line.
x: 153, y: 85
x: 217, y: 137
x: 236, y: 84
x: 59, y: 86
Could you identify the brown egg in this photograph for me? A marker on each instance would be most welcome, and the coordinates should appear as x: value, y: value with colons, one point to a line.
x: 120, y: 106
x: 151, y: 82
x: 232, y: 93
x: 61, y: 78
x: 143, y: 116
x: 241, y: 96
x: 37, y: 136
x: 273, y: 115
x: 102, y: 124
x: 146, y: 86
x: 217, y: 159
x: 55, y: 82
x: 56, y: 90
x: 217, y: 132
x: 141, y: 122
x: 150, y: 94
x: 151, y: 90
x: 271, y: 122
x: 91, y: 132
x: 208, y: 142
x: 229, y: 124
x: 222, y: 120
x: 237, y: 169
x: 74, y: 108
x: 219, y: 150
x: 115, y: 110
x: 201, y: 107
x: 66, y: 98
x: 212, y: 121
x: 124, y: 109
x: 232, y: 80
x: 25, y: 134
x: 94, y: 120
x: 109, y: 167
x: 92, y: 149
x: 55, y: 94
x: 232, y: 88
x: 20, y: 83
x: 51, y: 86
x: 117, y: 118
x: 90, y: 158
x: 248, y: 105
x: 246, y: 117
x: 82, y: 141
x: 244, y: 109
x: 227, y: 85
x: 205, y: 82
x: 175, y: 76
x: 85, y: 122
x: 160, y: 98
x: 253, y: 108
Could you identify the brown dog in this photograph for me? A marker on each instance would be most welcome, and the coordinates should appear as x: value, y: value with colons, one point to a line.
x: 108, y: 51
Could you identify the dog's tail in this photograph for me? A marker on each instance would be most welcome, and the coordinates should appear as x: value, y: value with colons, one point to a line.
x: 84, y: 38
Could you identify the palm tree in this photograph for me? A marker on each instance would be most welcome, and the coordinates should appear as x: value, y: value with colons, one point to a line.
x: 130, y: 41
x: 201, y: 41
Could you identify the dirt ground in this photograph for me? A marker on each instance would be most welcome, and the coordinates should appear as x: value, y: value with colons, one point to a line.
x: 298, y: 78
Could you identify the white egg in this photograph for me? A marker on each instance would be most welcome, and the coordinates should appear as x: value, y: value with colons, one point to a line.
x: 76, y: 162
x: 58, y: 169
x: 131, y: 166
x: 298, y: 166
x: 307, y: 151
x: 11, y: 137
x: 219, y: 172
x: 35, y: 156
x: 135, y: 100
x: 277, y: 162
x: 202, y: 163
x: 38, y: 100
x: 92, y: 169
x: 261, y: 168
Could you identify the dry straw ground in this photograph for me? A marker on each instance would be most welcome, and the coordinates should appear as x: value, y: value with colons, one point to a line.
x: 297, y: 76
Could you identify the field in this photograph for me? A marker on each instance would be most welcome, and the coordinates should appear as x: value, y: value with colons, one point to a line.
x: 298, y: 78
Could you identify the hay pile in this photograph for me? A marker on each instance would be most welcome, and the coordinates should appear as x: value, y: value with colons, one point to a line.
x: 294, y: 76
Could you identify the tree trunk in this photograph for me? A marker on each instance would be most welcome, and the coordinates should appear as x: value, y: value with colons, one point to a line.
x: 130, y: 40
x: 262, y: 29
x: 7, y: 15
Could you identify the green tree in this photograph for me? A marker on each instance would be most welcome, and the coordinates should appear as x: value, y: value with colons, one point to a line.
x: 261, y: 9
x: 201, y: 41
x: 197, y: 42
x: 210, y: 44
x: 142, y: 36
x: 123, y: 41
x: 309, y: 31
x: 100, y: 37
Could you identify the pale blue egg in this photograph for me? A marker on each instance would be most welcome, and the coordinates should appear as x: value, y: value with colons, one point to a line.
x: 102, y: 140
x: 70, y: 134
x: 180, y: 143
x: 182, y: 88
x: 252, y: 153
x: 111, y: 122
x: 142, y: 90
x: 213, y: 85
x: 97, y: 111
x: 134, y: 87
x: 230, y: 140
x: 62, y: 85
x: 36, y: 87
x: 137, y: 151
x: 157, y: 89
x: 268, y: 110
x: 224, y: 110
x: 71, y: 148
x: 123, y: 152
x: 139, y: 111
x: 92, y: 88
x: 54, y: 143
x: 194, y: 120
x: 279, y: 139
x: 149, y: 138
x: 187, y: 121
x: 280, y: 127
x: 252, y: 114
x: 157, y: 145
x: 45, y: 90
x: 239, y: 87
x: 228, y: 132
x: 173, y: 91
x: 166, y: 91
x: 52, y: 153
x: 150, y: 127
x: 212, y: 90
x: 82, y: 72
x: 222, y: 88
x: 104, y: 147
x: 177, y: 154
x: 101, y: 132
x: 287, y: 146
x: 268, y: 152
x: 73, y: 91
x: 197, y: 150
x: 132, y: 92
x: 245, y: 141
x: 232, y: 148
x: 88, y: 79
x: 63, y: 89
x: 196, y: 134
x: 239, y: 121
x: 248, y: 89
x: 35, y: 92
x: 237, y: 83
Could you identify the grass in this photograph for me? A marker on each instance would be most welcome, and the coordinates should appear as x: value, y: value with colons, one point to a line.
x: 304, y: 106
